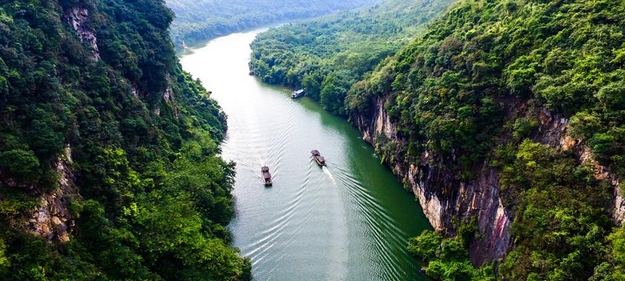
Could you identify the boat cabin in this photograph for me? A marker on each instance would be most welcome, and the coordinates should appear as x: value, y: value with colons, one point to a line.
x: 318, y: 158
x: 266, y: 175
x: 297, y: 94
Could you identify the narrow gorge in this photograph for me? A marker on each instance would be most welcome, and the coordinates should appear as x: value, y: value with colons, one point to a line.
x: 505, y: 119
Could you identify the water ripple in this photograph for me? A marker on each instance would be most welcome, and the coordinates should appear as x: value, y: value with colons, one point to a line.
x: 344, y: 221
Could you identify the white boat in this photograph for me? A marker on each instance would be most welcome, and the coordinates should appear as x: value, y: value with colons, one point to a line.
x: 297, y: 94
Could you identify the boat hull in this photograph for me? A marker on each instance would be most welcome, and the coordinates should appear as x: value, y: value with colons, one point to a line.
x: 297, y: 94
x: 266, y: 175
x: 318, y: 158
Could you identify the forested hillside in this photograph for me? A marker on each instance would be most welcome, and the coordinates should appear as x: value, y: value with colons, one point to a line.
x: 523, y: 96
x: 200, y: 20
x: 476, y: 93
x: 327, y: 56
x: 109, y: 166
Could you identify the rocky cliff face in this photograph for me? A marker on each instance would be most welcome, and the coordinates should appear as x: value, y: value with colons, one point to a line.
x: 553, y: 131
x: 169, y: 98
x: 52, y: 219
x: 618, y: 214
x: 77, y: 18
x: 444, y: 197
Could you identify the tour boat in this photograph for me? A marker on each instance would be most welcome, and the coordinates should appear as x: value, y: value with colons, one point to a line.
x: 297, y: 94
x: 318, y: 158
x: 266, y: 175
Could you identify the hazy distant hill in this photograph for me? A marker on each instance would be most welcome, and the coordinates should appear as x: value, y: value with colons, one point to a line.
x: 198, y: 20
x: 326, y: 56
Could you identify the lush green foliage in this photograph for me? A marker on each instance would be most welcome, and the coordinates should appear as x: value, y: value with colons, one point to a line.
x: 327, y: 56
x: 447, y: 258
x: 561, y: 222
x: 614, y: 267
x: 475, y: 87
x: 452, y: 86
x: 200, y: 20
x: 154, y: 195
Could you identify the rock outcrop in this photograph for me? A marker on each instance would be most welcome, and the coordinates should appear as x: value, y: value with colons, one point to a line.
x: 553, y: 131
x: 445, y: 198
x: 52, y: 219
x: 618, y: 214
x: 168, y: 97
x: 77, y: 17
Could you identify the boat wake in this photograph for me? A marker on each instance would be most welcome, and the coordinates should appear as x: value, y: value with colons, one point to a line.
x: 327, y: 172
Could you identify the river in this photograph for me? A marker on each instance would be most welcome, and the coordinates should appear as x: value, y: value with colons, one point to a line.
x: 349, y: 220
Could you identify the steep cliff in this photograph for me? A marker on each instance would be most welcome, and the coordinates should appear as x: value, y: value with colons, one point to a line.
x: 510, y: 112
x: 77, y: 18
x: 52, y: 219
x: 443, y: 196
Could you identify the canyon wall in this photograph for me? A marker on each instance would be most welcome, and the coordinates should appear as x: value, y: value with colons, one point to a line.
x: 446, y: 199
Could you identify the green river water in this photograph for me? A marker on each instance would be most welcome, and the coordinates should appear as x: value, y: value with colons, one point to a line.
x: 350, y: 220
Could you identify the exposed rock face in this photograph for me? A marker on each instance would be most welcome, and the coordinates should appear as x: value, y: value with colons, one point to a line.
x: 134, y: 91
x: 168, y: 96
x: 553, y: 131
x: 443, y: 196
x: 52, y: 220
x: 619, y: 206
x: 77, y: 18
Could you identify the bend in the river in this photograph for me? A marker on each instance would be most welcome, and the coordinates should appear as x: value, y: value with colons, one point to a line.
x: 350, y: 220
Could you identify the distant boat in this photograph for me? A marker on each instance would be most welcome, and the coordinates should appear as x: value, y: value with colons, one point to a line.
x: 266, y: 175
x: 318, y: 158
x: 297, y: 94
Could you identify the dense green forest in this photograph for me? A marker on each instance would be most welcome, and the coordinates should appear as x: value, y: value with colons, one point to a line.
x: 200, y: 20
x: 327, y: 56
x: 472, y: 90
x: 146, y: 195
